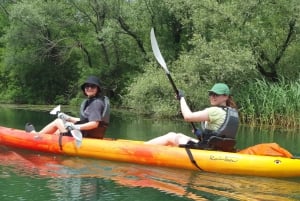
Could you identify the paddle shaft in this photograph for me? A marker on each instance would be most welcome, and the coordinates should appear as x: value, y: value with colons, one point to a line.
x: 177, y: 92
x: 172, y: 83
x: 162, y: 63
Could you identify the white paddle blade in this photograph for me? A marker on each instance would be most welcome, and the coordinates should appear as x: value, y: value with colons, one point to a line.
x: 156, y: 51
x: 78, y: 143
x: 55, y: 110
x: 77, y: 135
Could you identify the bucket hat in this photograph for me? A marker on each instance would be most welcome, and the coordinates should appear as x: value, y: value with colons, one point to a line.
x: 91, y: 80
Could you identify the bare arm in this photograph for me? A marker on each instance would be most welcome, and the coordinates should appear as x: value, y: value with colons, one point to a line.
x: 190, y: 116
x: 73, y: 119
x: 89, y: 125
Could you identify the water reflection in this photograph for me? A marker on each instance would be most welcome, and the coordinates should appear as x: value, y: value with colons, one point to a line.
x: 41, y: 176
x: 86, y: 179
x: 16, y: 118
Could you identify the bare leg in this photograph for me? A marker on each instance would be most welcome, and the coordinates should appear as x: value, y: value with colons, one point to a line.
x: 55, y: 127
x: 173, y: 139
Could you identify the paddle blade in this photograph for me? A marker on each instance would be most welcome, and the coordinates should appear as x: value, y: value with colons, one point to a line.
x: 77, y: 135
x: 78, y: 143
x: 55, y: 110
x: 156, y: 51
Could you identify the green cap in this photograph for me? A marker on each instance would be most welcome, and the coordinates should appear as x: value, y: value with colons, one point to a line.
x: 220, y: 88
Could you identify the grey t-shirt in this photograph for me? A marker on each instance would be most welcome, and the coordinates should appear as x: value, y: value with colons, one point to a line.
x: 93, y: 112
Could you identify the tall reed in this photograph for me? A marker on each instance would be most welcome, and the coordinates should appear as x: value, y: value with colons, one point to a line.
x: 276, y: 104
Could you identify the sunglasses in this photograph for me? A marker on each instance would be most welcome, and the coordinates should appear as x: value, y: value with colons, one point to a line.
x: 214, y: 94
x: 93, y: 86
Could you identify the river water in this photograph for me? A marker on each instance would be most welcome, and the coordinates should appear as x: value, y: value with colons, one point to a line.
x: 27, y: 175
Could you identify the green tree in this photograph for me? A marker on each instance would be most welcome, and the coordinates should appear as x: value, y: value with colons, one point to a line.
x: 54, y: 45
x: 267, y: 28
x: 4, y: 22
x: 37, y: 53
x: 228, y: 41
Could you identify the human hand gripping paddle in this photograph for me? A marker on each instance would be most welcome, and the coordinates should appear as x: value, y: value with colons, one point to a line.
x: 77, y: 135
x: 163, y: 64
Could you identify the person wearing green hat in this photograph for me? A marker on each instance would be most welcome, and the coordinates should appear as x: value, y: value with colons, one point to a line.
x: 219, y: 120
x: 94, y: 114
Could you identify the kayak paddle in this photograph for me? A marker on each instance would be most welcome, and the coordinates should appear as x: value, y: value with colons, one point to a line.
x: 75, y: 133
x: 163, y: 64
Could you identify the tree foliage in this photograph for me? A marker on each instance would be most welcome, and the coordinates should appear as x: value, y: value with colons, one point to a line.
x: 49, y: 47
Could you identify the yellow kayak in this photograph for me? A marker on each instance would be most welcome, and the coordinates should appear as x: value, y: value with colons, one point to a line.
x: 154, y: 155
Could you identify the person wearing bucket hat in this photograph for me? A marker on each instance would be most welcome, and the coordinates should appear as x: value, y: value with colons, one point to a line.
x: 220, y: 120
x: 91, y: 81
x: 94, y: 114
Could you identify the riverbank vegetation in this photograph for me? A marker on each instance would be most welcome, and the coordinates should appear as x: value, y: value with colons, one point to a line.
x: 48, y: 48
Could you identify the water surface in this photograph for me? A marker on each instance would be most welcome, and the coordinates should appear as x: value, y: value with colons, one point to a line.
x: 27, y: 175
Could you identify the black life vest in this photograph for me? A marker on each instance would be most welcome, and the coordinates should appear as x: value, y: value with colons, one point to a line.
x: 230, y: 126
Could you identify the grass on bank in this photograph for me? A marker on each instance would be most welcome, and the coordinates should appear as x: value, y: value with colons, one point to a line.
x: 275, y: 104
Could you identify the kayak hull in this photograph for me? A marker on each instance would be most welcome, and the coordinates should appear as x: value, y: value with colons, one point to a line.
x: 155, y: 155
